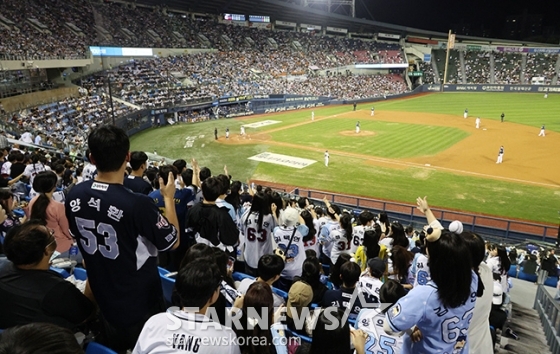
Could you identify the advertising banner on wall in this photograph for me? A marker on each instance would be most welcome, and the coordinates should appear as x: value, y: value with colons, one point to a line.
x: 491, y: 88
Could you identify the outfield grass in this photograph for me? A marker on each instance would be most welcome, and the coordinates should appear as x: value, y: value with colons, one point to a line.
x: 524, y: 108
x: 354, y: 176
x: 392, y: 140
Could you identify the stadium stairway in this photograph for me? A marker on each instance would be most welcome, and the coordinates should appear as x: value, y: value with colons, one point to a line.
x: 555, y: 79
x: 524, y: 321
x: 492, y: 68
x: 522, y: 78
x: 463, y: 73
x: 436, y: 71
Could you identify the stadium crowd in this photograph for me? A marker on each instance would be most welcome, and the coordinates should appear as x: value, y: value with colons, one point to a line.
x: 230, y: 250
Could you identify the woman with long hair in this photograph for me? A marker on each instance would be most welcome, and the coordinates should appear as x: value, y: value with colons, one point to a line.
x: 402, y: 261
x: 395, y: 236
x: 341, y: 237
x: 255, y: 336
x: 311, y: 274
x: 499, y: 262
x: 257, y: 227
x: 50, y: 212
x: 233, y: 196
x: 311, y: 241
x: 443, y: 309
x: 371, y: 243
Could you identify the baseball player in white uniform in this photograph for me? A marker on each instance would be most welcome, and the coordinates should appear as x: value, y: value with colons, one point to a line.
x: 358, y: 127
x: 466, y: 114
x: 227, y: 133
x: 242, y: 130
x: 477, y: 122
x: 312, y: 115
x: 327, y: 158
x: 542, y: 131
x: 372, y: 111
x: 500, y: 155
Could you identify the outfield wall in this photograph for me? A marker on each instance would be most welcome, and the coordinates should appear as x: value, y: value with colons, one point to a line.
x: 489, y: 88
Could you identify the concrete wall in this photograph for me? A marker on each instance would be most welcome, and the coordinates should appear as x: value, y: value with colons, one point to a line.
x: 42, y: 64
x: 36, y: 98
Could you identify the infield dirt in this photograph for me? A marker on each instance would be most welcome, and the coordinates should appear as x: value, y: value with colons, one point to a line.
x: 527, y: 157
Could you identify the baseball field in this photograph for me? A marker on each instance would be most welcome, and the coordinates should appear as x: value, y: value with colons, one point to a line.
x: 411, y: 147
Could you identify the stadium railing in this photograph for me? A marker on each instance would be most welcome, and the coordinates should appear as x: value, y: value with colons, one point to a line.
x: 548, y: 309
x: 407, y: 213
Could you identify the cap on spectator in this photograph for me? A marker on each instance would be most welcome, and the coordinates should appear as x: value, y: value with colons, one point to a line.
x: 456, y: 227
x: 498, y: 294
x: 376, y: 264
x: 290, y: 217
x: 299, y: 296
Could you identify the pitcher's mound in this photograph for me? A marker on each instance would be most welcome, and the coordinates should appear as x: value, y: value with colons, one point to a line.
x: 353, y: 133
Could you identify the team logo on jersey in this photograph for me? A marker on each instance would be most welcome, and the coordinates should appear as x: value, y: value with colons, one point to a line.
x: 396, y: 310
x: 162, y: 222
x: 100, y: 186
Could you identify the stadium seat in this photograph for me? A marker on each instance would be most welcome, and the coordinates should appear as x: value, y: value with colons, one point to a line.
x: 96, y: 348
x: 551, y: 281
x: 63, y: 273
x: 80, y: 274
x: 167, y: 284
x: 280, y: 293
x: 237, y: 276
x: 525, y: 276
x: 513, y: 271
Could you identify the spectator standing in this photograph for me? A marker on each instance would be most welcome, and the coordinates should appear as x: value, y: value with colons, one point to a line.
x: 135, y: 181
x: 209, y: 223
x: 119, y: 234
x: 257, y: 228
x: 50, y: 212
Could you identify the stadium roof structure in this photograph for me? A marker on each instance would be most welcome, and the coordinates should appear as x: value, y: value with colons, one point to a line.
x: 288, y: 11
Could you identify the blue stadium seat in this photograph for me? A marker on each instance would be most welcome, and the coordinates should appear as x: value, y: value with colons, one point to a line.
x: 551, y: 281
x: 167, y: 284
x: 237, y: 276
x: 80, y: 274
x: 96, y: 348
x: 162, y: 271
x: 525, y: 276
x: 63, y: 273
x: 513, y: 271
x: 280, y: 293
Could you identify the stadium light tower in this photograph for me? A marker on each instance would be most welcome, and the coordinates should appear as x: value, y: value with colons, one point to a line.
x: 349, y: 6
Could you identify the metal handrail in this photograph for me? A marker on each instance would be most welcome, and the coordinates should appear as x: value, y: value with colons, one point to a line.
x: 548, y: 309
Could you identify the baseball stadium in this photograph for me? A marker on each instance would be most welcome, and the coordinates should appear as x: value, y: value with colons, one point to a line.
x: 146, y: 145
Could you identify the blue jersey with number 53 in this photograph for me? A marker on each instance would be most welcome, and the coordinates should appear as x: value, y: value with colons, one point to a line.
x: 443, y: 330
x: 119, y: 234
